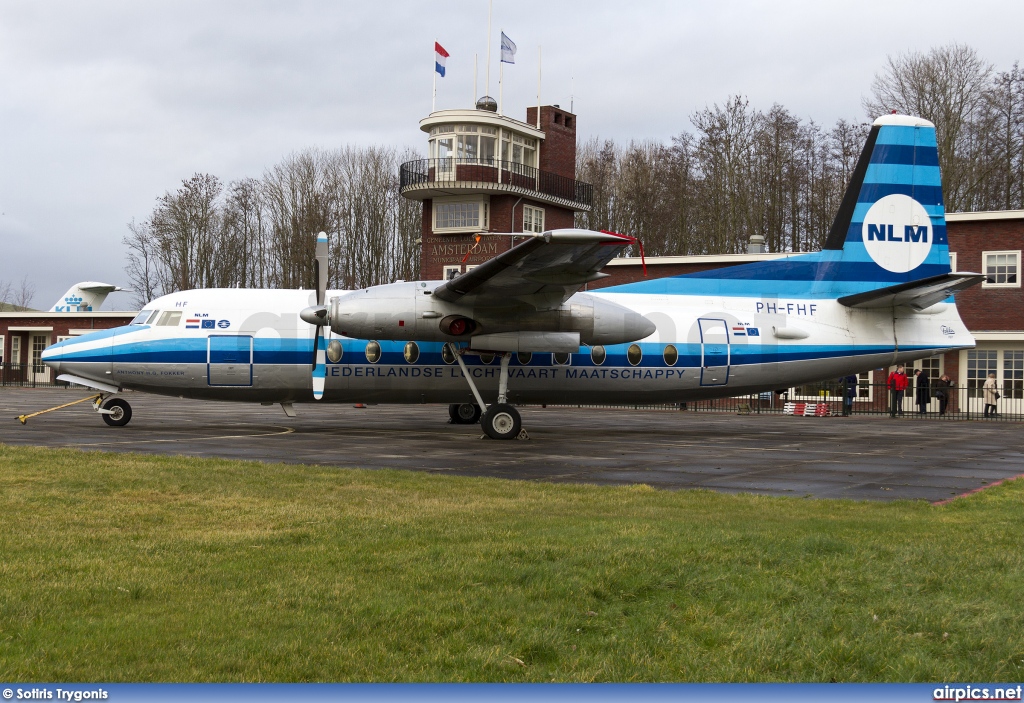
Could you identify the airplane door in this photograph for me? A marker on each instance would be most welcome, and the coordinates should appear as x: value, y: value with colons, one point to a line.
x: 229, y: 360
x: 714, y: 352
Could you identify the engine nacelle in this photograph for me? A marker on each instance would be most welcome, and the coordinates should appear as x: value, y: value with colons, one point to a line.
x: 409, y: 311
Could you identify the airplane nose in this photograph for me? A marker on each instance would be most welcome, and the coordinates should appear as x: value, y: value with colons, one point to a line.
x: 51, y: 356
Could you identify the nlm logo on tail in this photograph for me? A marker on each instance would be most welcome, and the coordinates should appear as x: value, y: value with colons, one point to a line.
x: 898, y: 234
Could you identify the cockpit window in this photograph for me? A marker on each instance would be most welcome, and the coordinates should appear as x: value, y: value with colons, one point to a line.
x: 169, y: 318
x: 144, y: 317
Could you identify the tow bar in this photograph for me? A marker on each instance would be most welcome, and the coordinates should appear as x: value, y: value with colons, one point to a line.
x: 24, y: 418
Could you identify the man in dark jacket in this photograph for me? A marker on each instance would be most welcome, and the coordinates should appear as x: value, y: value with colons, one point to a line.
x: 923, y: 391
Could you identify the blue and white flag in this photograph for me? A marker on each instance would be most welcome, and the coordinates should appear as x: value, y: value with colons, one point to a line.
x: 508, y: 49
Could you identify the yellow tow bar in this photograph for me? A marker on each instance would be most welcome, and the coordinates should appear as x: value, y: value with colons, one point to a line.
x: 24, y: 418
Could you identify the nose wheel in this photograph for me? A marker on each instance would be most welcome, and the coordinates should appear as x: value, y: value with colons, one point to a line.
x: 116, y: 412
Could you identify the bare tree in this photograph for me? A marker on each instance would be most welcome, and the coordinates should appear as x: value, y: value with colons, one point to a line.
x: 141, y: 268
x: 946, y: 86
x: 23, y: 293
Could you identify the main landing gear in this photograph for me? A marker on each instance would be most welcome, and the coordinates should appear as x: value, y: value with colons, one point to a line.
x: 500, y: 420
x: 464, y: 413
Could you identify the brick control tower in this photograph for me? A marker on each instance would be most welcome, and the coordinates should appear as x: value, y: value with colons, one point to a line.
x: 488, y: 173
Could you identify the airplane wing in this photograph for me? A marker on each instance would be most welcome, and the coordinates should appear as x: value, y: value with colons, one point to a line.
x: 918, y: 294
x: 541, y: 273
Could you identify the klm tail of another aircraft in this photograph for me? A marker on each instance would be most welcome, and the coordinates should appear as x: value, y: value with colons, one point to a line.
x: 890, y: 230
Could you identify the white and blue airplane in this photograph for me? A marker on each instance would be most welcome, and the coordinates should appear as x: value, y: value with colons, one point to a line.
x: 518, y: 328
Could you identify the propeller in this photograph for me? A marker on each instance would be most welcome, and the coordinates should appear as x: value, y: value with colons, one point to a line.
x: 317, y: 316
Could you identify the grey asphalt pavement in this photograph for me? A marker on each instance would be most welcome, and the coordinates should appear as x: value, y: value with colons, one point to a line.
x: 873, y: 458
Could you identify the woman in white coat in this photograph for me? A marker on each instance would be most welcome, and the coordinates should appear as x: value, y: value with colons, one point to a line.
x: 991, y: 395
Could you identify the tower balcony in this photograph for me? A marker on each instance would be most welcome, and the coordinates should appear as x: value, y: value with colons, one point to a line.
x: 432, y: 178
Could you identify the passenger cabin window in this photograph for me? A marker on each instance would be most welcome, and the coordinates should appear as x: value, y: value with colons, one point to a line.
x: 144, y: 317
x: 169, y: 318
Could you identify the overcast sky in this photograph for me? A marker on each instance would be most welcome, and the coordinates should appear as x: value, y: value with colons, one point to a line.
x: 104, y: 106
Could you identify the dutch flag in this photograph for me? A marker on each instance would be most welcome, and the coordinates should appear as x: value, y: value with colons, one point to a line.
x: 439, y: 56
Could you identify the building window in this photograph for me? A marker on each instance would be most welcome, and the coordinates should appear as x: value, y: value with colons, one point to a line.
x: 16, y: 349
x: 931, y: 367
x: 980, y: 363
x: 1001, y: 269
x: 464, y: 215
x: 451, y: 272
x: 1013, y: 374
x: 952, y: 261
x: 533, y: 219
x: 1, y: 349
x: 474, y: 144
x: 519, y: 151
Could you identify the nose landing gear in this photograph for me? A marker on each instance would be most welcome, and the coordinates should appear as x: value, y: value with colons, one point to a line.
x: 116, y: 412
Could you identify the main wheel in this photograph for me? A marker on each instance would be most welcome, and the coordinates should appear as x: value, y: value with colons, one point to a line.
x: 120, y: 412
x: 502, y: 421
x: 464, y: 413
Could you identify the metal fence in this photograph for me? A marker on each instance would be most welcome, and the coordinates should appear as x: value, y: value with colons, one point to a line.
x: 30, y: 376
x: 870, y: 399
x: 508, y: 174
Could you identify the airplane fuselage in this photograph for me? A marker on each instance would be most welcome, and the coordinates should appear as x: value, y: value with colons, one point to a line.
x: 251, y: 346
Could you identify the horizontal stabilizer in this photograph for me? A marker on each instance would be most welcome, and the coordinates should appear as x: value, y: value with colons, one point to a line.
x: 919, y: 294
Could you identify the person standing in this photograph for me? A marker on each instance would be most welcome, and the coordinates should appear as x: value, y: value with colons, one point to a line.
x: 991, y: 395
x: 922, y: 390
x: 943, y: 389
x: 850, y: 383
x: 898, y: 383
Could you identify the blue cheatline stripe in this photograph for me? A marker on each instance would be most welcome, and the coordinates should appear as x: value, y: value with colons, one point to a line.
x: 904, y: 154
x: 299, y: 354
x: 902, y: 173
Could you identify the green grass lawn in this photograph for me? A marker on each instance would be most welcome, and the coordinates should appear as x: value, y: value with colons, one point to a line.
x: 122, y: 567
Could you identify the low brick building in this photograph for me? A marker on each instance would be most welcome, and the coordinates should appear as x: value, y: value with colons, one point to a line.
x: 24, y: 336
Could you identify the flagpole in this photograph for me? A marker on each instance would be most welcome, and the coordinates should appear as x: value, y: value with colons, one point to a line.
x: 501, y: 84
x: 487, y: 81
x: 433, y: 99
x: 538, y: 85
x: 474, y: 80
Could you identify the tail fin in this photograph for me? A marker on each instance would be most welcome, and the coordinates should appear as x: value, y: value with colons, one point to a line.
x: 84, y: 297
x: 891, y: 225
